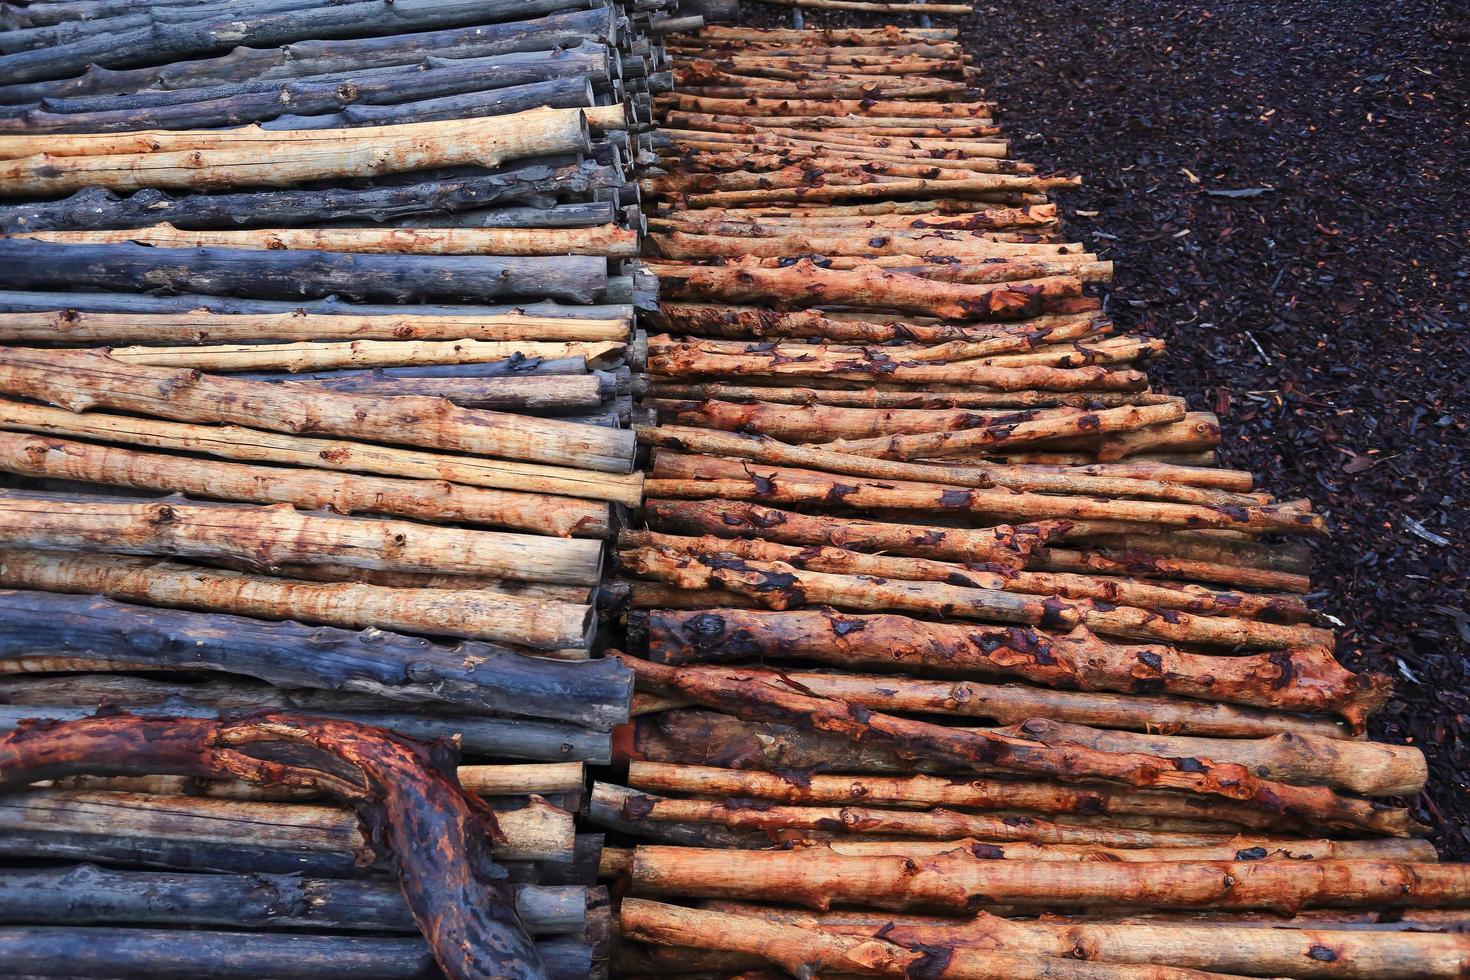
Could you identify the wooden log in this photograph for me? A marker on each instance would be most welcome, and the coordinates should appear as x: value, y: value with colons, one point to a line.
x: 693, y: 477
x: 308, y: 274
x: 316, y: 57
x: 720, y: 320
x: 530, y: 828
x: 798, y: 950
x: 325, y: 356
x: 157, y: 42
x: 235, y: 442
x: 561, y: 93
x: 467, y: 614
x: 480, y: 676
x: 505, y: 738
x: 937, y: 397
x: 1060, y: 842
x: 268, y: 536
x: 921, y: 792
x: 804, y: 282
x: 605, y: 240
x: 1369, y: 768
x: 428, y: 201
x: 534, y: 395
x: 212, y: 159
x: 457, y: 896
x: 85, y: 894
x: 93, y: 380
x: 82, y: 329
x: 436, y: 501
x: 1305, y: 951
x: 1313, y: 680
x: 761, y: 695
x: 953, y: 882
x: 514, y: 82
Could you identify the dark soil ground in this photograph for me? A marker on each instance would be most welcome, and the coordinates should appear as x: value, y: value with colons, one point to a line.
x: 1324, y: 312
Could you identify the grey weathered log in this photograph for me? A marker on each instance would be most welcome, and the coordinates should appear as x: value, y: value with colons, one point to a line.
x: 310, y: 274
x: 535, y: 394
x: 352, y: 19
x: 561, y: 93
x: 482, y: 676
x: 316, y: 57
x: 414, y: 203
x: 163, y: 954
x: 85, y: 894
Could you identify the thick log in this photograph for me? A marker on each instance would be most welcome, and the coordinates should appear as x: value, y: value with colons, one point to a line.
x: 478, y: 676
x: 317, y: 57
x: 806, y: 284
x: 269, y: 536
x: 530, y: 829
x: 515, y: 82
x: 532, y: 395
x: 561, y: 93
x: 921, y: 792
x: 761, y: 695
x: 1098, y: 482
x: 504, y: 738
x: 468, y: 614
x: 696, y: 477
x: 1004, y: 545
x: 83, y: 381
x: 426, y: 202
x: 957, y: 881
x: 801, y: 951
x: 307, y: 356
x: 157, y: 42
x: 606, y: 240
x: 235, y: 442
x: 307, y: 274
x: 458, y: 896
x: 436, y: 501
x: 74, y: 328
x: 1294, y: 680
x: 949, y: 826
x: 1306, y: 950
x: 85, y: 894
x: 212, y: 159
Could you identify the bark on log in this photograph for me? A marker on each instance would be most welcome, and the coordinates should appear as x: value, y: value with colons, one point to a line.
x: 480, y: 677
x: 305, y: 274
x: 802, y: 952
x: 1305, y: 680
x: 958, y: 881
x: 758, y: 694
x: 212, y: 159
x: 428, y: 201
x: 435, y: 501
x: 467, y: 614
x: 272, y: 535
x: 235, y: 442
x: 83, y: 381
x: 458, y: 896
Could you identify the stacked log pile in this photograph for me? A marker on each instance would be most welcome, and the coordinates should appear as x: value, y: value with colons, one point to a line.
x: 316, y: 368
x: 957, y: 654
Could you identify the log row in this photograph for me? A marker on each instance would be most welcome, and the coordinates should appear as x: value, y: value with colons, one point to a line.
x: 956, y: 652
